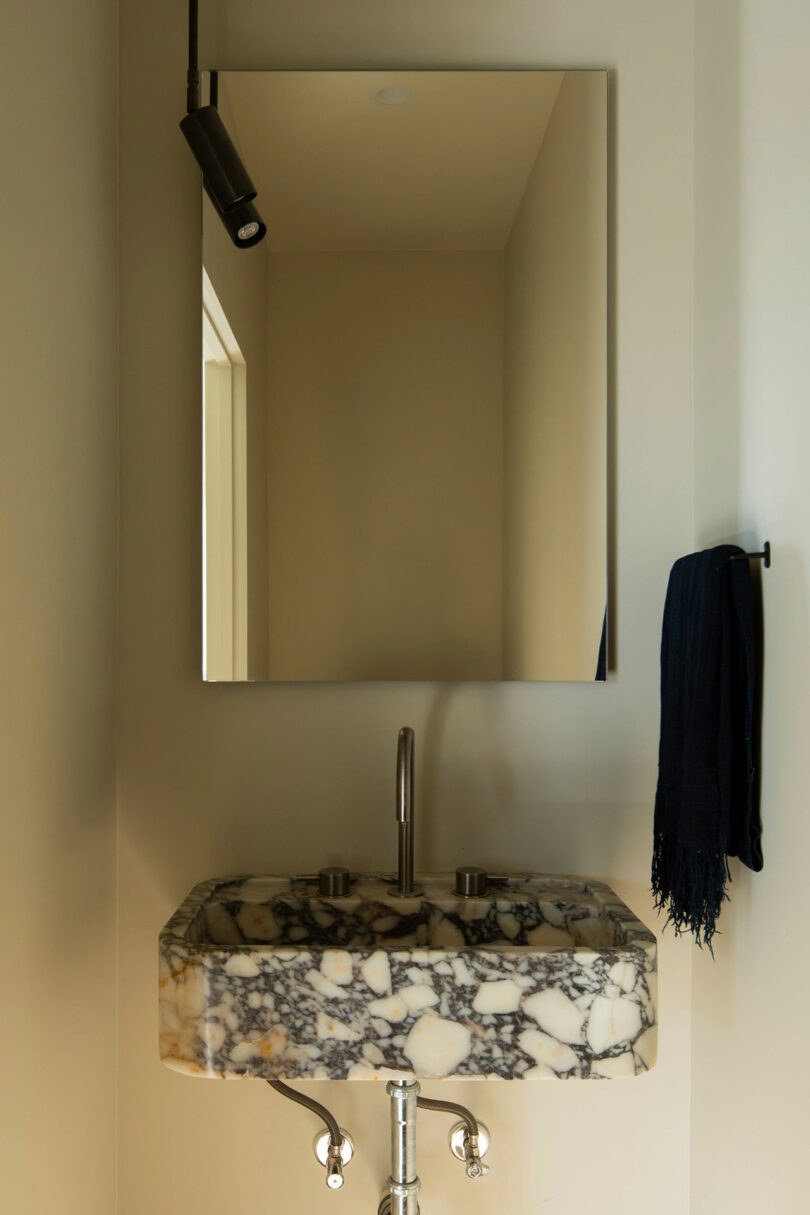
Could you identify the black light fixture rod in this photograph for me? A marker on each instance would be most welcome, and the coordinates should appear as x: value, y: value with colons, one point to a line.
x: 193, y: 91
x: 226, y: 180
x: 213, y: 88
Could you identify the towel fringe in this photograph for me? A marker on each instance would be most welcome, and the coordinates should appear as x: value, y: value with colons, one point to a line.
x: 690, y: 886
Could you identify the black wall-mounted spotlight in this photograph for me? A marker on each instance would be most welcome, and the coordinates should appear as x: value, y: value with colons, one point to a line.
x: 226, y: 180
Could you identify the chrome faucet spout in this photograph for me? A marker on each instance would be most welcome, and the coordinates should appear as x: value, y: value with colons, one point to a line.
x: 404, y: 809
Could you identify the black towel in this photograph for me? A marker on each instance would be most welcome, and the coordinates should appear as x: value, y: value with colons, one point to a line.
x: 706, y: 803
x: 601, y: 661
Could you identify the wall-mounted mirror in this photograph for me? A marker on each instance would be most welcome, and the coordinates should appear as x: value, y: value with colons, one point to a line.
x: 405, y: 384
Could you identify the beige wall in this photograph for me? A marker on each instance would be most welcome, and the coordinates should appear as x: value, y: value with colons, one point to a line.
x: 57, y: 606
x: 752, y: 428
x: 555, y: 383
x: 239, y: 277
x: 239, y: 778
x: 385, y: 465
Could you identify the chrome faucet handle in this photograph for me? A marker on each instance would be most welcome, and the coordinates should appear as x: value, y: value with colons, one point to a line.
x: 471, y: 882
x: 334, y: 882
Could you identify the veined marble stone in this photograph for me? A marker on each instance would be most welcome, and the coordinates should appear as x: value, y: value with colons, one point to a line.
x: 543, y: 977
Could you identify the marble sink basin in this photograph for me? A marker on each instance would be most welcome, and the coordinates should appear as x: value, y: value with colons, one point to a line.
x: 543, y: 977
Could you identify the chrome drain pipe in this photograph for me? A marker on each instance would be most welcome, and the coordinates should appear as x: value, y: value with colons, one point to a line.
x: 403, y: 1184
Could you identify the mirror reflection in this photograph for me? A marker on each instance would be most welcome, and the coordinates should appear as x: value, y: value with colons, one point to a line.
x: 405, y: 383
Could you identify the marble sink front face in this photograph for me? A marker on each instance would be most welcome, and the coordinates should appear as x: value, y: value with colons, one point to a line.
x: 543, y: 977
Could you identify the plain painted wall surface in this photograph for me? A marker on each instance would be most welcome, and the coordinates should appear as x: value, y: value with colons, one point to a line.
x: 555, y: 388
x: 752, y: 426
x: 58, y: 302
x: 385, y: 465
x: 249, y: 778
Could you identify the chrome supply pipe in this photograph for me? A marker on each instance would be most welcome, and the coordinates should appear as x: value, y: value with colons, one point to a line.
x: 450, y: 1107
x: 404, y: 809
x: 335, y: 1154
x: 310, y: 1103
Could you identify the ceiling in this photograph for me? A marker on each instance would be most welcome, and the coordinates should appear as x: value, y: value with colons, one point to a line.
x: 337, y: 170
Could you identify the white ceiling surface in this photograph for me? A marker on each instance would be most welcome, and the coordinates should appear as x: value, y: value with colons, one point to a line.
x: 336, y: 170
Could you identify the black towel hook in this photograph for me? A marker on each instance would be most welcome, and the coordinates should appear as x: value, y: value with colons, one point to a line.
x: 764, y: 556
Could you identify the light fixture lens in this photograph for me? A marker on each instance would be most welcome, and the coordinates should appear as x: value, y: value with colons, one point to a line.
x: 243, y: 224
x: 392, y: 96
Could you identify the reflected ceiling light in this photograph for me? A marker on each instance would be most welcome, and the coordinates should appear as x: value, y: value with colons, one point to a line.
x: 226, y: 180
x: 392, y: 96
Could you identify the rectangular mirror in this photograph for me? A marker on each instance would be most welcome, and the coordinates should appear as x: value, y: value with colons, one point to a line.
x: 405, y: 402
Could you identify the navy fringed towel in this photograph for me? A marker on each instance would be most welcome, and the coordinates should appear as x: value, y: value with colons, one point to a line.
x: 706, y: 802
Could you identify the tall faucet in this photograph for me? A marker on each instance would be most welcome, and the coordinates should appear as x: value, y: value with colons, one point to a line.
x: 404, y: 809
